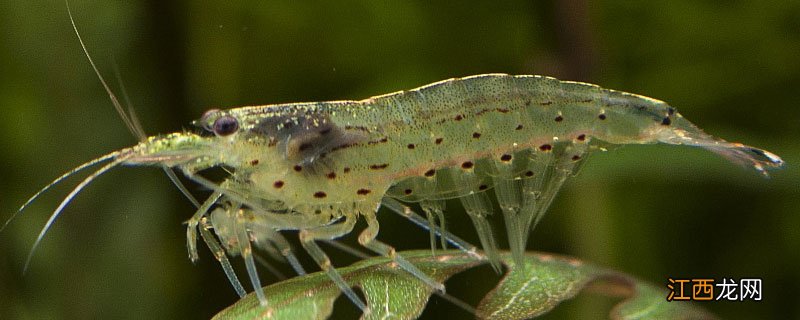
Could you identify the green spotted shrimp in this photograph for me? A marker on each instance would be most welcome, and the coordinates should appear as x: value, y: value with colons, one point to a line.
x: 318, y: 167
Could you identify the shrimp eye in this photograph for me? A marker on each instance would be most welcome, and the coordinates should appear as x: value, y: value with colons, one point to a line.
x: 225, y: 125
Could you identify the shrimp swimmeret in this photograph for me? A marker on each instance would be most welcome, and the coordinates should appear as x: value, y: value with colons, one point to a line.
x: 317, y: 167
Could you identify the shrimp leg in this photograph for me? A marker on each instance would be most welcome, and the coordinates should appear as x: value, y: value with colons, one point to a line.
x: 367, y: 239
x: 408, y: 213
x: 246, y: 251
x: 219, y: 254
x: 435, y: 210
x: 191, y: 224
x: 330, y: 232
x: 268, y: 238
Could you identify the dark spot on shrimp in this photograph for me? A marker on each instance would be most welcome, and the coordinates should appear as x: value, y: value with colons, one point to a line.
x: 411, y: 146
x: 304, y: 146
x: 343, y: 146
x: 503, y: 110
x: 359, y: 128
x: 378, y: 166
x: 483, y: 187
x: 439, y: 140
x: 670, y: 111
x: 254, y: 162
x: 576, y: 157
x: 519, y: 127
x: 346, y: 169
x: 430, y: 173
x: 331, y: 175
x: 602, y: 116
x: 559, y: 118
x: 666, y: 121
x: 586, y: 100
x: 278, y: 184
x: 304, y: 137
x: 545, y: 147
x: 298, y: 168
x: 467, y: 165
x: 505, y: 158
x: 581, y: 137
x: 320, y: 195
x: 382, y: 140
x: 529, y: 173
x: 546, y: 103
x: 459, y: 117
x: 476, y: 135
x: 407, y: 191
x: 363, y: 192
x: 528, y: 103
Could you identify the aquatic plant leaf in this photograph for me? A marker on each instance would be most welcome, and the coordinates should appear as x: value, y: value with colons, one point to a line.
x: 545, y: 281
x: 390, y: 291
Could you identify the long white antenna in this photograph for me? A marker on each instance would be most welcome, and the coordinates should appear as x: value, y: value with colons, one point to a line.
x: 55, y: 182
x: 130, y: 119
x: 64, y: 203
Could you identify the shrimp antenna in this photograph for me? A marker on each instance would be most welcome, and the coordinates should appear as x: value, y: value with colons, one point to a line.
x: 134, y: 120
x: 56, y: 181
x: 174, y: 178
x: 111, y: 95
x: 139, y: 132
x: 66, y: 201
x: 130, y: 118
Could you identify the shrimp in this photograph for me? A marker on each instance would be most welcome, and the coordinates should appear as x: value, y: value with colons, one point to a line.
x: 317, y: 167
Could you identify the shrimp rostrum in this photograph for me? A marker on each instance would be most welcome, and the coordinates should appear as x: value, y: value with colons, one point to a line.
x: 318, y: 167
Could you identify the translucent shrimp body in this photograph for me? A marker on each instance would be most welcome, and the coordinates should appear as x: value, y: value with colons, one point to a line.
x: 317, y: 167
x: 303, y: 165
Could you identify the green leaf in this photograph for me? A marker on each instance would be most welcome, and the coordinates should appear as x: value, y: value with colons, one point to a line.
x: 545, y: 281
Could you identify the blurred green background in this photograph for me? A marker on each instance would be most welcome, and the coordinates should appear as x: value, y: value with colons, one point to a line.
x: 732, y: 67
